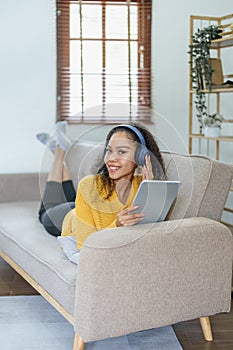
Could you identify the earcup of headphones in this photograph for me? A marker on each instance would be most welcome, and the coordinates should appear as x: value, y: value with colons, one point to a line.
x: 140, y: 155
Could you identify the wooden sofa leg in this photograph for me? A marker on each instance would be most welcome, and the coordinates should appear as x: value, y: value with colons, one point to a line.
x: 206, y: 328
x: 78, y: 342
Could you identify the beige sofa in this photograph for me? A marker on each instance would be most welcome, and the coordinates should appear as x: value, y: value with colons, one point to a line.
x: 128, y: 279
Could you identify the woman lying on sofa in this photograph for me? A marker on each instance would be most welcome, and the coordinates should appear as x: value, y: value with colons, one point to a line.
x: 103, y: 200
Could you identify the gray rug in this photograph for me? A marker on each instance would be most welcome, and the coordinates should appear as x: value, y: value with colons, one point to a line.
x: 31, y: 323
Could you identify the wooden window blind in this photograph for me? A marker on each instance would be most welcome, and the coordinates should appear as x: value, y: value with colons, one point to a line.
x: 104, y: 60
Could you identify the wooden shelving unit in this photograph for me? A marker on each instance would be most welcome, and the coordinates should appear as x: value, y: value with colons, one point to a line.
x: 217, y: 47
x: 224, y: 42
x: 214, y: 90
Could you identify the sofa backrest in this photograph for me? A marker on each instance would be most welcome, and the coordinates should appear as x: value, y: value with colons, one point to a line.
x: 205, y: 183
x: 22, y: 186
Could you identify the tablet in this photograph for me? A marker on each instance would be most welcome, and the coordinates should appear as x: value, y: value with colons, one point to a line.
x: 155, y: 198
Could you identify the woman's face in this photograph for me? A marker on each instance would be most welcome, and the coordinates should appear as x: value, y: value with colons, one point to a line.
x: 119, y: 156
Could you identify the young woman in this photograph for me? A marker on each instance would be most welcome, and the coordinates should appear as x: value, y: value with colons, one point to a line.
x: 103, y: 200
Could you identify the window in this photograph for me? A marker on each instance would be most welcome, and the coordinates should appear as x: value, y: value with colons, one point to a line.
x: 103, y: 60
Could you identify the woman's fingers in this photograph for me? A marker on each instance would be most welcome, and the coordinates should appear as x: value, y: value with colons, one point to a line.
x: 147, y: 173
x: 128, y: 210
x: 133, y: 221
x: 127, y: 218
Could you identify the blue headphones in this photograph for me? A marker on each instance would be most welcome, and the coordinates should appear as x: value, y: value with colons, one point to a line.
x: 141, y: 150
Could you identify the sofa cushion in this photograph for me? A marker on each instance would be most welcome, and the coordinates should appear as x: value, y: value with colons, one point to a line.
x: 83, y: 159
x: 193, y: 172
x: 205, y: 185
x: 23, y: 238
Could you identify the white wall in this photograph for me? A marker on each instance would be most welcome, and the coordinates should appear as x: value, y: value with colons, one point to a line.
x: 27, y: 81
x: 28, y: 76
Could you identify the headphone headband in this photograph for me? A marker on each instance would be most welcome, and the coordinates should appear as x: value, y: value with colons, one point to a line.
x: 141, y: 151
x: 135, y: 131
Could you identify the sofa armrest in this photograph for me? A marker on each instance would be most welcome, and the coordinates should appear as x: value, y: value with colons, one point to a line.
x: 21, y: 186
x: 217, y: 190
x: 147, y: 276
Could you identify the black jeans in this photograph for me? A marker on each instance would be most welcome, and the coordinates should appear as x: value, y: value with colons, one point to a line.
x: 57, y: 201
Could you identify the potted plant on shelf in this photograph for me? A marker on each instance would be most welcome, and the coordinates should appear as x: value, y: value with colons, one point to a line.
x: 201, y: 70
x: 212, y: 123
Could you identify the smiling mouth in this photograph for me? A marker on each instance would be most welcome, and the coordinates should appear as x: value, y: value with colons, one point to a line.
x: 113, y: 168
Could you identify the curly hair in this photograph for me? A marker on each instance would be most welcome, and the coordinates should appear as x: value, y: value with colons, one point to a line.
x: 105, y: 184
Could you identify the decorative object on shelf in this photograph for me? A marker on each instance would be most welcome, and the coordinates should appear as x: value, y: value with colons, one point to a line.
x: 212, y: 131
x: 201, y: 108
x: 215, y: 119
x: 217, y: 72
x: 212, y: 124
x: 201, y: 69
x: 217, y: 75
x: 200, y: 56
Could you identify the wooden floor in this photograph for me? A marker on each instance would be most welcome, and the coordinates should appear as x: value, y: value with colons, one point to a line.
x: 11, y: 283
x: 189, y: 333
x: 191, y: 338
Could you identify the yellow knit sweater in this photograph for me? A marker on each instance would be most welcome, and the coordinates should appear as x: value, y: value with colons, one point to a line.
x: 93, y: 213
